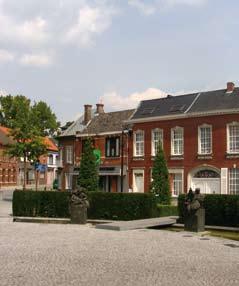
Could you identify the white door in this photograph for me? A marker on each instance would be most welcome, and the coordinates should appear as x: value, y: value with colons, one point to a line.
x: 206, y: 185
x: 138, y: 182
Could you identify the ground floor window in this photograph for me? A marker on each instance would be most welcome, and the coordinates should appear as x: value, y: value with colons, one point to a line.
x: 234, y: 181
x: 138, y: 181
x: 177, y: 184
x: 68, y: 181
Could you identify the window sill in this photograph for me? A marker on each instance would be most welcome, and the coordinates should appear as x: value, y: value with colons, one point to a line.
x: 176, y: 157
x: 232, y: 155
x: 138, y: 158
x: 204, y: 156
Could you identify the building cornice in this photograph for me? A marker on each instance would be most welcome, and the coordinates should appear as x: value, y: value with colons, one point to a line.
x: 182, y: 116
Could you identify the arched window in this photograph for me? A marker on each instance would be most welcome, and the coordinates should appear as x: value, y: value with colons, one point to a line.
x: 139, y: 143
x: 206, y: 174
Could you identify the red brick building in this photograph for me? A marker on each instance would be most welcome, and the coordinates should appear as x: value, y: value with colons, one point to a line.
x: 200, y: 138
x: 8, y: 166
x: 105, y: 129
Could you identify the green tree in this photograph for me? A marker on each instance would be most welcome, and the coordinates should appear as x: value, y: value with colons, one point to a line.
x: 160, y: 176
x: 44, y: 118
x: 88, y: 173
x: 27, y: 141
x: 15, y: 108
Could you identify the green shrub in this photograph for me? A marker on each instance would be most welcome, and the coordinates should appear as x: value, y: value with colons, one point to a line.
x: 221, y: 210
x: 167, y: 210
x: 117, y: 206
x: 40, y: 203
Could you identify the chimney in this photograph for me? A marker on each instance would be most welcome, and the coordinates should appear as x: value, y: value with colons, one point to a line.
x: 230, y: 87
x: 87, y: 113
x: 100, y: 108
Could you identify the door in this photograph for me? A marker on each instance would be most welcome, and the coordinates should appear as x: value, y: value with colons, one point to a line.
x: 206, y: 185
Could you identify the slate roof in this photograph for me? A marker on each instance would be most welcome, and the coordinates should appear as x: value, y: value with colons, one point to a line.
x: 76, y: 126
x: 201, y: 102
x: 107, y: 122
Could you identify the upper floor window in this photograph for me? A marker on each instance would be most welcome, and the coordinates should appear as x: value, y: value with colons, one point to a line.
x: 177, y: 141
x: 157, y: 138
x: 50, y: 159
x: 233, y: 137
x: 139, y: 143
x: 205, y: 139
x: 69, y: 154
x: 112, y: 147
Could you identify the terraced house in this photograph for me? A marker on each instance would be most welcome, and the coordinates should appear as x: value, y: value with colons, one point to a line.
x: 110, y: 142
x: 200, y: 137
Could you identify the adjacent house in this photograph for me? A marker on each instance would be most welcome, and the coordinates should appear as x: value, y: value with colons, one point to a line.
x: 199, y: 133
x: 8, y: 166
x: 110, y: 142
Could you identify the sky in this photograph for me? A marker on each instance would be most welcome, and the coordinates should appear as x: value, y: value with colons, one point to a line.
x: 75, y: 52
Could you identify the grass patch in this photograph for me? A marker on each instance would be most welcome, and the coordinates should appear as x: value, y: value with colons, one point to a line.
x: 225, y: 234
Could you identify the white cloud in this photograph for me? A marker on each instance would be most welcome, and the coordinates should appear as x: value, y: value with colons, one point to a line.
x: 150, y: 8
x: 6, y: 56
x: 29, y: 32
x: 116, y: 101
x: 91, y: 21
x: 37, y: 60
x: 147, y: 9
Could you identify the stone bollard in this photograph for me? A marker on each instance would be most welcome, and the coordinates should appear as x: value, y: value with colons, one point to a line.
x: 78, y: 206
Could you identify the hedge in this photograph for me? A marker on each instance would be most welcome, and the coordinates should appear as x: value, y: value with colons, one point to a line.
x: 118, y: 206
x: 167, y: 210
x: 221, y: 210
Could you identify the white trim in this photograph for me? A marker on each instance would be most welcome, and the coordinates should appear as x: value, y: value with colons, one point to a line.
x: 172, y: 141
x: 199, y: 138
x: 174, y: 172
x: 152, y: 140
x: 184, y: 115
x: 139, y: 171
x: 99, y: 134
x: 134, y: 143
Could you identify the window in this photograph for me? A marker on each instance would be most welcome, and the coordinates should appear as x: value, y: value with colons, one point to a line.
x: 138, y: 181
x: 233, y: 137
x: 157, y: 136
x: 234, y: 181
x: 69, y: 154
x: 112, y: 147
x: 139, y: 143
x: 205, y: 139
x: 50, y: 159
x: 177, y: 141
x: 177, y: 184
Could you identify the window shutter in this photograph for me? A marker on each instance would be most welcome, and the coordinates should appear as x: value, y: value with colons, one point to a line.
x: 224, y: 185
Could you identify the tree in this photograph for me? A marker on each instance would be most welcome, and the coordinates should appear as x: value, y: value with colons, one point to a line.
x: 160, y: 176
x: 44, y: 118
x: 13, y: 108
x: 88, y: 173
x: 27, y: 140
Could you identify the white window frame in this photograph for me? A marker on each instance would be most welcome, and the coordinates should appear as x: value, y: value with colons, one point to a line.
x: 233, y: 177
x: 232, y: 124
x: 173, y: 153
x: 200, y: 139
x: 69, y: 154
x: 140, y: 142
x: 154, y: 142
x: 176, y: 172
x: 137, y: 171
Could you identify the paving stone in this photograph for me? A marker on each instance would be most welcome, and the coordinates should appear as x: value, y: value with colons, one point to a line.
x: 53, y: 254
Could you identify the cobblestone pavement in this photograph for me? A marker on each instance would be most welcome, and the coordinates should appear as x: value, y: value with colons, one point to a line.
x: 47, y: 254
